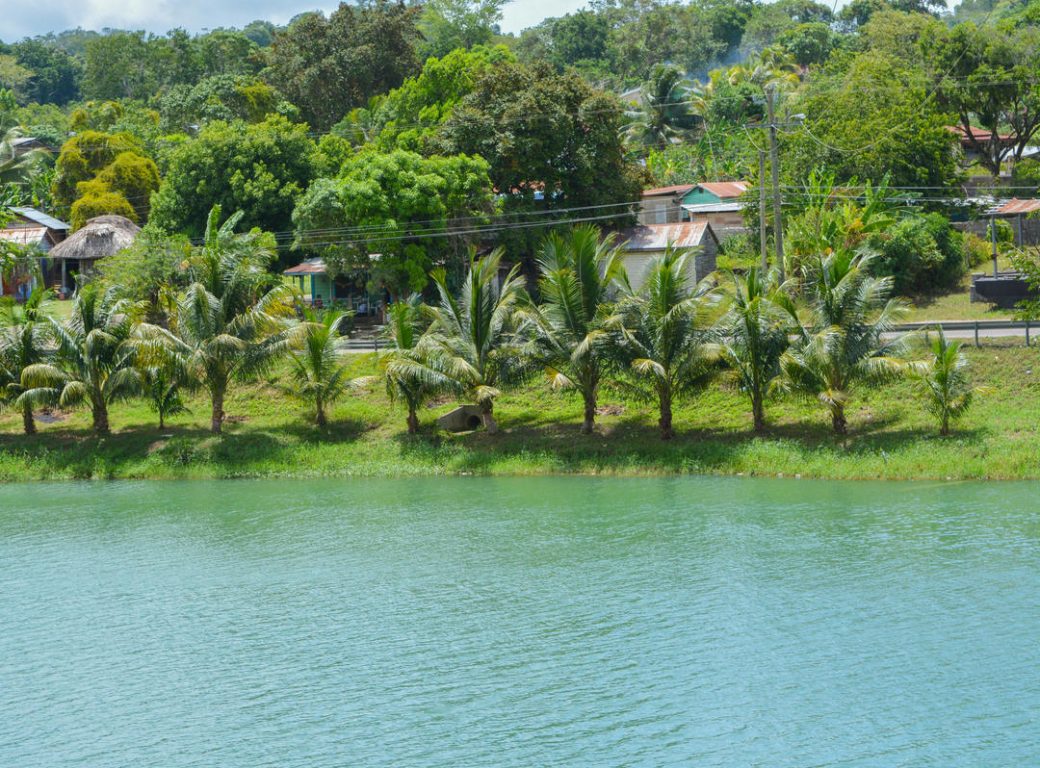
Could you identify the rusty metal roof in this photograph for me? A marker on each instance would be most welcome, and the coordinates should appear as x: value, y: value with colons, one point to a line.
x: 725, y: 190
x: 24, y: 235
x: 678, y: 189
x: 308, y: 267
x: 1014, y: 207
x: 657, y: 237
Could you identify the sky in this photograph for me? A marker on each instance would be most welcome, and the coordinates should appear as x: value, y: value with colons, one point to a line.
x: 21, y: 18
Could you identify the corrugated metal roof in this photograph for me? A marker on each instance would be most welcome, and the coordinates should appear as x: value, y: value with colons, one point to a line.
x: 24, y: 235
x: 657, y: 237
x: 679, y: 189
x: 714, y: 207
x: 42, y: 218
x: 308, y: 267
x: 1014, y: 206
x: 725, y: 189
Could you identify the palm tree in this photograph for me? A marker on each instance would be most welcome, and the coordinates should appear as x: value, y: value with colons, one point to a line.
x: 23, y: 343
x: 15, y: 167
x: 411, y: 366
x: 943, y: 381
x: 663, y: 117
x: 472, y: 334
x: 228, y: 323
x: 755, y: 335
x: 319, y: 374
x: 662, y: 336
x: 844, y: 344
x: 577, y: 271
x: 164, y: 374
x: 94, y: 359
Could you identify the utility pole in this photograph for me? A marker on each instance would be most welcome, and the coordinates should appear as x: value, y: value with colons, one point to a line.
x: 993, y: 240
x: 774, y: 156
x: 761, y: 211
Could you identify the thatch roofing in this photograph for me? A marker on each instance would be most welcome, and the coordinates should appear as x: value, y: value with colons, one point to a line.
x: 99, y: 237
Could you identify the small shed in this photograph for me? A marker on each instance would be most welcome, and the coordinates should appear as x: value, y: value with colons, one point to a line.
x: 644, y: 243
x: 33, y: 229
x: 99, y: 238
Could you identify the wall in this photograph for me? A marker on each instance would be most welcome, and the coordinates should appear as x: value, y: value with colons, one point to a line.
x: 660, y: 210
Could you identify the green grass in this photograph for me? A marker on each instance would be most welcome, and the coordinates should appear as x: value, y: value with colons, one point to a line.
x: 268, y: 436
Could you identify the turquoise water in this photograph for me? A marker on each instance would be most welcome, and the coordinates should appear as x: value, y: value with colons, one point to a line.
x: 519, y: 622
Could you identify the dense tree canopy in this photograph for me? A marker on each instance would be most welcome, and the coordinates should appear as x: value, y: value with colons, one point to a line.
x: 257, y: 169
x: 329, y: 65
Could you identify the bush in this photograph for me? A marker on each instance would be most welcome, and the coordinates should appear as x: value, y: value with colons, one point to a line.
x: 921, y: 253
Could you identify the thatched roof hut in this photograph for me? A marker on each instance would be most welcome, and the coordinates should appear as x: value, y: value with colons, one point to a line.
x: 100, y: 237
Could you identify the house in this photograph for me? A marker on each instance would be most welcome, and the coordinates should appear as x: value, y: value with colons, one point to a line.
x: 312, y: 278
x: 30, y: 228
x: 713, y: 202
x: 99, y: 238
x: 973, y: 138
x: 643, y: 243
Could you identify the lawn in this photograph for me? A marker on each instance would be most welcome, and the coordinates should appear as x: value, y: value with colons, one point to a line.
x: 268, y: 435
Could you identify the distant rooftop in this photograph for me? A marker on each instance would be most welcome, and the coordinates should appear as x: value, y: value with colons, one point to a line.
x: 41, y: 218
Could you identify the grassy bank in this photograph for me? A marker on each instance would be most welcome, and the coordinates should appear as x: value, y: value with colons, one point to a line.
x: 267, y: 436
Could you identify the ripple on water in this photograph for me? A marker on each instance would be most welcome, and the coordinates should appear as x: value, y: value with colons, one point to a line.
x: 525, y: 622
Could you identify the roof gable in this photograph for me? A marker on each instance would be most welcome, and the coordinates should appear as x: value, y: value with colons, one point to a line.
x: 657, y: 237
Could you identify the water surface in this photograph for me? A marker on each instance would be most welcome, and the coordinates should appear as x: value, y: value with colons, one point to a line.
x: 519, y: 622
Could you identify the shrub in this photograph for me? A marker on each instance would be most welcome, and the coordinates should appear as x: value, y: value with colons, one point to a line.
x: 921, y: 253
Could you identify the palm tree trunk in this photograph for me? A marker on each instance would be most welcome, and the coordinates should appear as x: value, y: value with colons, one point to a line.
x: 413, y: 420
x: 100, y: 414
x: 758, y: 412
x: 838, y: 421
x: 216, y: 423
x: 321, y: 419
x: 162, y: 421
x: 590, y: 413
x: 665, y: 422
x: 487, y: 416
x: 944, y: 428
x: 28, y: 422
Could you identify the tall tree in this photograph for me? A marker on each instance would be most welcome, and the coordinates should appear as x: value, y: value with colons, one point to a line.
x: 663, y: 115
x: 987, y: 76
x: 578, y: 271
x: 329, y: 65
x: 450, y: 24
x: 258, y: 169
x: 400, y: 206
x: 228, y: 323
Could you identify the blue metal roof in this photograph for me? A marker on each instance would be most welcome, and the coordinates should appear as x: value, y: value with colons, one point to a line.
x: 41, y: 218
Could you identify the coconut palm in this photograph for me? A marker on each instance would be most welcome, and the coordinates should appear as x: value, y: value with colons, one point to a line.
x: 472, y: 334
x: 319, y: 375
x: 944, y: 382
x: 23, y: 343
x: 16, y: 168
x: 662, y: 334
x: 754, y: 334
x: 577, y: 272
x: 411, y: 366
x: 94, y: 361
x: 663, y: 117
x: 229, y: 322
x: 844, y: 345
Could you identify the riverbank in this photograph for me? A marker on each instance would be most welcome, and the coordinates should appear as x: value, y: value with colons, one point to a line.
x: 892, y: 436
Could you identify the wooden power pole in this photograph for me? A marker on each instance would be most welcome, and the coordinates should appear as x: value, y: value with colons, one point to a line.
x: 763, y: 245
x: 774, y: 157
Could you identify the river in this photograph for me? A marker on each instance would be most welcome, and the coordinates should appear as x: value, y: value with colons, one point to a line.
x: 519, y: 622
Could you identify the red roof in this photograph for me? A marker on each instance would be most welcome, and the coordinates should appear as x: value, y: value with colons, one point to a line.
x: 308, y: 267
x: 980, y: 135
x: 725, y: 190
x: 1015, y: 206
x: 679, y: 189
x: 657, y: 237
